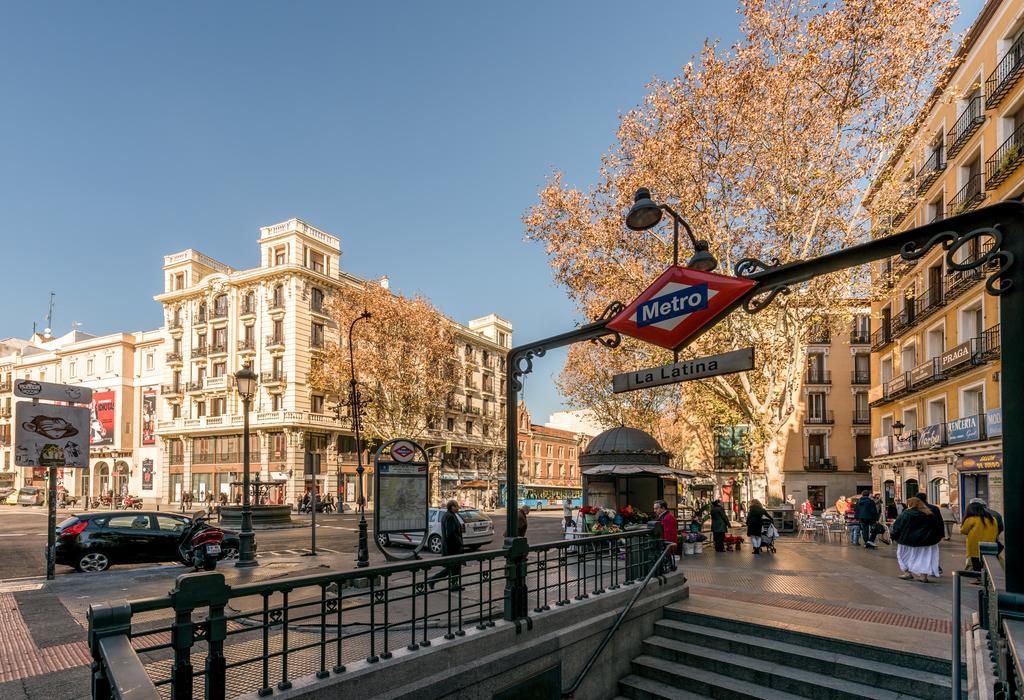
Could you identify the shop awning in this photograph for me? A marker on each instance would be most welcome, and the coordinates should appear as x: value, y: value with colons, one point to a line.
x: 632, y: 469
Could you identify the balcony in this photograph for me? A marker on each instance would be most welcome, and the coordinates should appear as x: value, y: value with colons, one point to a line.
x: 989, y: 345
x: 969, y: 121
x: 860, y: 337
x: 5, y: 387
x: 881, y: 337
x: 273, y: 378
x: 174, y: 326
x: 248, y: 309
x: 246, y: 346
x: 274, y: 342
x: 824, y: 417
x: 171, y: 389
x: 201, y: 316
x: 862, y: 416
x: 173, y: 358
x: 818, y: 376
x: 960, y: 281
x: 220, y: 383
x: 1006, y: 74
x: 218, y: 349
x: 821, y: 464
x: 220, y: 312
x: 904, y: 320
x: 276, y: 304
x: 926, y: 373
x: 860, y: 376
x: 930, y: 171
x: 930, y: 301
x: 969, y: 197
x: 200, y: 351
x: 193, y: 387
x: 1006, y: 159
x: 898, y: 385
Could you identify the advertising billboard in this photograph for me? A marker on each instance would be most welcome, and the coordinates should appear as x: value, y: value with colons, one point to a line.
x: 50, y: 435
x: 147, y: 474
x: 103, y: 420
x: 149, y: 417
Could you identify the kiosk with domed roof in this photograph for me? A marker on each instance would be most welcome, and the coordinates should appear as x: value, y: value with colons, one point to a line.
x: 627, y: 467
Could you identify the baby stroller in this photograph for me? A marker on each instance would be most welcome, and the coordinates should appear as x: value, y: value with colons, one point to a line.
x: 769, y: 533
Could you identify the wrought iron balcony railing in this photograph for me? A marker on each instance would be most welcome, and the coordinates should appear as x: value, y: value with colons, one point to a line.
x: 928, y: 302
x: 200, y: 351
x: 881, y: 337
x: 930, y: 171
x: 1006, y: 74
x: 860, y: 337
x: 969, y: 197
x: 1006, y: 159
x: 904, y: 320
x: 273, y: 341
x: 860, y: 376
x: 861, y: 416
x: 969, y: 121
x: 818, y: 376
x: 959, y: 282
x: 273, y: 377
x: 989, y: 345
x: 172, y: 389
x: 823, y: 417
x: 246, y: 345
x: 219, y: 312
x: 821, y: 464
x: 173, y: 358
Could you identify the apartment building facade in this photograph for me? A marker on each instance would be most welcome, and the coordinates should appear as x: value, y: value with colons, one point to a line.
x: 935, y: 346
x: 274, y: 317
x: 830, y: 432
x: 549, y: 467
x: 124, y: 371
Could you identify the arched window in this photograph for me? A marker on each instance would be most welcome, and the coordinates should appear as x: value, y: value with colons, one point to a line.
x: 316, y: 300
x: 278, y: 301
x: 202, y: 312
x: 220, y: 305
x: 249, y: 304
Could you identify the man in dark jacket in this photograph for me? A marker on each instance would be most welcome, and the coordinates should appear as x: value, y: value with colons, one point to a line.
x: 451, y: 544
x: 719, y: 525
x: 866, y: 513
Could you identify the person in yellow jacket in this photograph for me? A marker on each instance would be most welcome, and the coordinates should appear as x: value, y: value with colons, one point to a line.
x: 979, y: 526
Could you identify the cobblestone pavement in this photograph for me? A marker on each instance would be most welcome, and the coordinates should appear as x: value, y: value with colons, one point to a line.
x: 838, y: 584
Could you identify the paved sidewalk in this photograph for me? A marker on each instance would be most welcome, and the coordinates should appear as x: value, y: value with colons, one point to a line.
x: 848, y: 591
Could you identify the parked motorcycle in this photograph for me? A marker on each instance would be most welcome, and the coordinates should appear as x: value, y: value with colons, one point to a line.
x: 131, y: 502
x: 200, y: 543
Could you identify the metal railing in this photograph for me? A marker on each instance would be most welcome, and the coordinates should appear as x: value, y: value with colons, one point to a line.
x: 246, y: 345
x: 861, y: 416
x: 905, y: 319
x: 821, y: 464
x: 274, y: 341
x: 824, y: 417
x: 172, y: 389
x: 970, y: 196
x: 928, y: 302
x: 200, y: 351
x: 881, y: 337
x: 258, y: 637
x: 989, y: 344
x: 1006, y: 159
x: 1006, y: 74
x: 818, y: 376
x: 860, y: 337
x: 931, y: 170
x: 273, y: 377
x: 969, y: 121
x: 860, y: 376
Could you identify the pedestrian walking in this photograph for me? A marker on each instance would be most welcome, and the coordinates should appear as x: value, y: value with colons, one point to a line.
x: 755, y: 521
x: 522, y: 525
x: 979, y: 526
x: 866, y: 513
x: 451, y: 544
x: 948, y: 519
x: 669, y: 527
x: 719, y: 525
x: 917, y: 549
x: 567, y: 512
x: 995, y: 514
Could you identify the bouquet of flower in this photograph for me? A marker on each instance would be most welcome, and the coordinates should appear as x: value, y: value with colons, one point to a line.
x: 733, y: 541
x: 692, y: 537
x: 589, y: 510
x: 632, y: 516
x: 606, y: 528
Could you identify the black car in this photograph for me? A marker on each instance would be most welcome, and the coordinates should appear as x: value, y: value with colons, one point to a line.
x: 94, y: 541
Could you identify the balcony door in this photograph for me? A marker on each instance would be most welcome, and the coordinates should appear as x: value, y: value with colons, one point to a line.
x: 816, y: 366
x: 862, y: 447
x: 934, y: 285
x: 816, y: 448
x: 816, y: 406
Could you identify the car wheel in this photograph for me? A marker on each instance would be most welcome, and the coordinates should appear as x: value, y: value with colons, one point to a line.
x: 434, y: 544
x: 229, y: 553
x: 383, y: 540
x: 93, y: 562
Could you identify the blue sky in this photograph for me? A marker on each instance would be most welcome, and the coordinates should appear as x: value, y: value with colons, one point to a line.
x: 416, y: 132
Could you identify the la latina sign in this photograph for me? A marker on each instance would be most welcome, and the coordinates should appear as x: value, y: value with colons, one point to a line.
x: 688, y: 370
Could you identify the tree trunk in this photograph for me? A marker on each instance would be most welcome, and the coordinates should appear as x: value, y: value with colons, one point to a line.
x: 774, y: 456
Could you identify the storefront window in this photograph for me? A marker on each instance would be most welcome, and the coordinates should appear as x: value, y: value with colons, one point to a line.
x: 816, y: 495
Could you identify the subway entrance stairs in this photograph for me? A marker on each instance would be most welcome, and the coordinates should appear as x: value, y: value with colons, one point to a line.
x: 706, y: 647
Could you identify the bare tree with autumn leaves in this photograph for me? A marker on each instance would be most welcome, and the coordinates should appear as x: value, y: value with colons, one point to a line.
x: 767, y: 147
x: 404, y: 356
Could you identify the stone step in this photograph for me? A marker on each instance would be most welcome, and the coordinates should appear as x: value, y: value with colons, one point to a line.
x: 764, y: 674
x: 807, y: 631
x: 878, y: 674
x: 654, y: 677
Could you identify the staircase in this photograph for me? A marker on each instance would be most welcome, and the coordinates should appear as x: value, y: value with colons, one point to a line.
x: 697, y: 652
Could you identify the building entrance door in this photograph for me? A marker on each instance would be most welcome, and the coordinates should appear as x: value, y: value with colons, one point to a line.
x: 974, y: 486
x: 910, y: 489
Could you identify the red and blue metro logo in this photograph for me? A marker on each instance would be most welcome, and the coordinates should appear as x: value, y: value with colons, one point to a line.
x: 678, y: 304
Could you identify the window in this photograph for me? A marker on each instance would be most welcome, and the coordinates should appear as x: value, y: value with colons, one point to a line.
x: 469, y: 353
x: 936, y: 341
x: 816, y: 448
x: 317, y: 262
x: 278, y: 297
x: 316, y: 403
x: 220, y: 369
x: 278, y: 330
x: 970, y: 322
x: 536, y: 450
x: 816, y: 406
x: 549, y: 471
x: 280, y: 255
x: 316, y: 335
x: 88, y: 368
x: 200, y: 409
x: 909, y: 420
x: 860, y: 402
x: 278, y: 367
x: 217, y: 406
x: 522, y: 447
x: 316, y: 300
x: 42, y: 375
x: 175, y: 410
x: 550, y: 450
x: 202, y: 312
x: 171, y: 523
x: 469, y: 427
x: 176, y: 380
x: 276, y: 402
x: 972, y: 401
x: 249, y: 303
x: 451, y: 425
x: 201, y: 375
x: 108, y: 363
x: 936, y: 209
x: 149, y: 362
x: 220, y: 339
x: 220, y: 306
x: 177, y: 346
x: 179, y: 281
x: 249, y: 334
x: 886, y: 425
x: 73, y: 369
x: 561, y: 452
x: 885, y: 369
x: 908, y: 358
x: 937, y: 411
x: 502, y: 339
x: 128, y: 522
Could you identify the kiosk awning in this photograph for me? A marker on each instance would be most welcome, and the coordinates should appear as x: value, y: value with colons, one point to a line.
x: 629, y: 469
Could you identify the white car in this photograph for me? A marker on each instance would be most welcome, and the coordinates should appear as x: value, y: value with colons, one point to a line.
x: 477, y: 530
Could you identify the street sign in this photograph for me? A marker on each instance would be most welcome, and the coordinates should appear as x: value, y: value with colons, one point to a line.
x: 678, y: 304
x: 401, y: 473
x: 685, y: 371
x: 403, y: 451
x: 48, y: 391
x: 51, y: 435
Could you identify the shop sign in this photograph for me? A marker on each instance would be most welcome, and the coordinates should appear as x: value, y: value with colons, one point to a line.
x: 931, y: 436
x: 980, y: 463
x: 898, y: 384
x: 963, y: 430
x: 904, y: 445
x: 994, y: 423
x: 954, y: 357
x: 47, y: 391
x: 876, y: 393
x: 923, y: 372
x: 880, y: 446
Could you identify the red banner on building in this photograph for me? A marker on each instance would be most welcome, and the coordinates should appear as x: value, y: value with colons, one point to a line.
x: 103, y: 420
x: 149, y: 417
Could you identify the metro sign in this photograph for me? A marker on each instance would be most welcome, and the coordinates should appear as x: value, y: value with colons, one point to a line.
x: 678, y: 304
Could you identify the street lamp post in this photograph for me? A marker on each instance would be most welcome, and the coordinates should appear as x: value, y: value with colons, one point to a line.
x: 245, y: 381
x: 363, y: 551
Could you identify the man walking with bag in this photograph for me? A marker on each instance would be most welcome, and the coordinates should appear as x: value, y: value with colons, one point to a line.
x: 866, y: 513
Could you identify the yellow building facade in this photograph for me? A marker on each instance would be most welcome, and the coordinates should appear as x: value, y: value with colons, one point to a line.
x: 936, y: 424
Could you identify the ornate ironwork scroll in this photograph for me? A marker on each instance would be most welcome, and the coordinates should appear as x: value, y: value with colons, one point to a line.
x: 747, y: 268
x: 995, y: 258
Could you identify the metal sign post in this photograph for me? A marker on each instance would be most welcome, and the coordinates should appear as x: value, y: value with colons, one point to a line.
x: 312, y: 469
x: 401, y: 480
x: 52, y: 436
